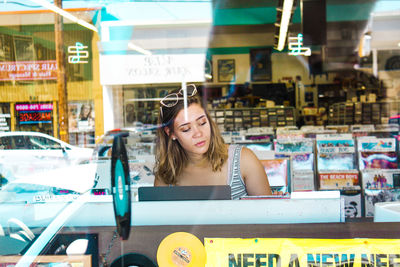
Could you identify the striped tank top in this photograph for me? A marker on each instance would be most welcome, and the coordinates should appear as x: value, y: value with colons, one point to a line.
x: 235, y: 179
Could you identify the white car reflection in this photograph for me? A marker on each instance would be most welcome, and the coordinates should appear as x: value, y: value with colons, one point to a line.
x: 22, y: 153
x: 61, y: 184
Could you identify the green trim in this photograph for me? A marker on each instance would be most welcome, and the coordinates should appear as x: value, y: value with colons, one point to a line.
x: 349, y: 12
x: 267, y: 15
x: 50, y: 27
x: 244, y: 16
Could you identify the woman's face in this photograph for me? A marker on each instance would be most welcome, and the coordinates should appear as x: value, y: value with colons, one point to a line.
x: 193, y: 132
x: 86, y: 110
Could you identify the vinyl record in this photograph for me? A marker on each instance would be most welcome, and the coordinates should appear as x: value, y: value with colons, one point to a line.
x: 133, y: 259
x: 181, y: 249
x: 121, y: 187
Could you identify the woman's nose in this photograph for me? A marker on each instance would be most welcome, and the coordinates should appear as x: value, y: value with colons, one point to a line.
x: 196, y: 131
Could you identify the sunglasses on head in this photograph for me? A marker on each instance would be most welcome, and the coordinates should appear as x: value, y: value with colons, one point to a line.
x: 172, y: 99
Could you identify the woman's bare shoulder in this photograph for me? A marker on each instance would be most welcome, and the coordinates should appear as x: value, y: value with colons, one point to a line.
x: 159, y: 182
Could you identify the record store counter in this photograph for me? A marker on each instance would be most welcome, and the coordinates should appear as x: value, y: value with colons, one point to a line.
x: 297, y: 217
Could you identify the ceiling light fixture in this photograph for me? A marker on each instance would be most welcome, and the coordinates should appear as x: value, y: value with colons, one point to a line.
x: 65, y: 14
x: 284, y: 24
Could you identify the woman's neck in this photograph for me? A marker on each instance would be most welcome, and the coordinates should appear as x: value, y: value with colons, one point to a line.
x: 198, y: 161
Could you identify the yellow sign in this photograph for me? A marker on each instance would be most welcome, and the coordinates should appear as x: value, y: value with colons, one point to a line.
x: 292, y: 252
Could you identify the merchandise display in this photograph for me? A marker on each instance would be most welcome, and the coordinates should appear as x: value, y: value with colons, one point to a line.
x: 234, y: 119
x: 345, y: 158
x: 301, y: 153
x: 336, y: 164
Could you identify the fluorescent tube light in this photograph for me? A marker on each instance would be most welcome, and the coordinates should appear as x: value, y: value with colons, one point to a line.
x: 65, y: 14
x: 284, y: 24
x: 139, y: 49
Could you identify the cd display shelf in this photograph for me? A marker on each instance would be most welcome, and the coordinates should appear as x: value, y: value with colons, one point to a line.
x: 236, y: 119
x: 362, y: 113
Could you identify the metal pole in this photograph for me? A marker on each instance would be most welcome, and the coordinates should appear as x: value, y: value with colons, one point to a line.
x: 61, y: 76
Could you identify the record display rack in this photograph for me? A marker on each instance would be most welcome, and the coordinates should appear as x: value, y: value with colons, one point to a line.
x: 362, y: 113
x: 236, y: 119
x: 378, y: 164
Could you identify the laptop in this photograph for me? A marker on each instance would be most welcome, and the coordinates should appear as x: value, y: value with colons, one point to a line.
x: 173, y: 193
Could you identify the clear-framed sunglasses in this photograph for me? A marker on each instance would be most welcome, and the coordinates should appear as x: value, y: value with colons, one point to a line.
x: 172, y: 99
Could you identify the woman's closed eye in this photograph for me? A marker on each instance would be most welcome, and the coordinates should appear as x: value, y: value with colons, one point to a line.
x: 202, y: 121
x: 185, y: 129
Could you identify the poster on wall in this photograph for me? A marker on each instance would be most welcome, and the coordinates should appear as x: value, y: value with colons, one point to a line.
x: 226, y: 70
x: 81, y: 117
x: 260, y: 60
x: 23, y: 48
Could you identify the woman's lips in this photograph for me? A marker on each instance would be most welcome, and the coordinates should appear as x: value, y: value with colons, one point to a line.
x: 200, y: 143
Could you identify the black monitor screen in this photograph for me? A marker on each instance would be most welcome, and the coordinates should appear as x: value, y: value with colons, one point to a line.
x: 166, y: 193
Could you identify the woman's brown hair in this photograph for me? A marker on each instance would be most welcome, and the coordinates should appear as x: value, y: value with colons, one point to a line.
x: 171, y: 158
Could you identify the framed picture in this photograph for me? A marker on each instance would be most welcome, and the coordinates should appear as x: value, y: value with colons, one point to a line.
x: 226, y: 70
x: 24, y: 49
x: 260, y: 60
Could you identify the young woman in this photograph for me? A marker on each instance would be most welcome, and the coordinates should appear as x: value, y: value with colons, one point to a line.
x: 190, y: 150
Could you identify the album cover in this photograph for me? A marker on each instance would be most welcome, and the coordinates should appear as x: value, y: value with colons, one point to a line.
x: 374, y: 144
x: 277, y: 171
x: 303, y: 181
x: 334, y: 162
x: 303, y: 161
x: 301, y: 145
x: 352, y: 203
x: 336, y: 146
x: 258, y: 146
x: 380, y: 179
x: 377, y: 160
x: 338, y: 180
x: 381, y: 195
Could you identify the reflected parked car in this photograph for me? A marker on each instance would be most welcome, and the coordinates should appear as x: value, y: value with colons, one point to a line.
x: 61, y: 184
x: 28, y: 152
